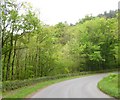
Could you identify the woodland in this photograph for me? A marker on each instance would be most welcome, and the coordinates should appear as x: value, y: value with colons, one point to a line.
x: 32, y: 49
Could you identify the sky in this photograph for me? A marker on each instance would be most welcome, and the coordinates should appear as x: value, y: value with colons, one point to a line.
x: 54, y: 11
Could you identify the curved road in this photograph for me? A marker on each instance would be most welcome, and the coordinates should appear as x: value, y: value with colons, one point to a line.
x: 85, y: 87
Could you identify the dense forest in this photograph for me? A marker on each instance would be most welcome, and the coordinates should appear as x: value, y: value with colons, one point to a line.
x: 31, y: 49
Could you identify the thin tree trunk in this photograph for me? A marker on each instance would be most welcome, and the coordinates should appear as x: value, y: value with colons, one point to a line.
x: 17, y: 65
x: 12, y: 77
x: 4, y: 65
x: 36, y: 65
x: 9, y: 56
x: 25, y: 70
x: 8, y: 65
x: 3, y: 68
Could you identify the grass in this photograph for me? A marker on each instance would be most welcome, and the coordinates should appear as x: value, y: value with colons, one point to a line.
x: 26, y: 92
x: 109, y: 85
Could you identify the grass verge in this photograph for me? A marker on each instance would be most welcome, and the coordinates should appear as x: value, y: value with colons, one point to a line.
x: 109, y: 85
x: 26, y: 92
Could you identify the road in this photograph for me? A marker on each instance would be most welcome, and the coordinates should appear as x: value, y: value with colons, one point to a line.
x: 85, y: 87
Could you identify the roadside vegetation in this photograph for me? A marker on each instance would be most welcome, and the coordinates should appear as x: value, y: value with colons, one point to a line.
x: 28, y: 91
x: 32, y: 50
x: 109, y: 85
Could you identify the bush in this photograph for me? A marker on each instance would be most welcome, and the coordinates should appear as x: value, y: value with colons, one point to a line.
x: 109, y: 85
x: 11, y: 85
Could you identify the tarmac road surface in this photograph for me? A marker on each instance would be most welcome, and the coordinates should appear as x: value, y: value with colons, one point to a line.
x: 84, y: 87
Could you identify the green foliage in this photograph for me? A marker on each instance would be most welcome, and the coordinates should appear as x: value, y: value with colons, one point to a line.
x: 32, y: 50
x: 12, y: 85
x: 28, y: 90
x: 109, y: 85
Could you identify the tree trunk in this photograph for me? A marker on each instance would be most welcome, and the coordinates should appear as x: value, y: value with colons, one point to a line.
x: 12, y: 77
